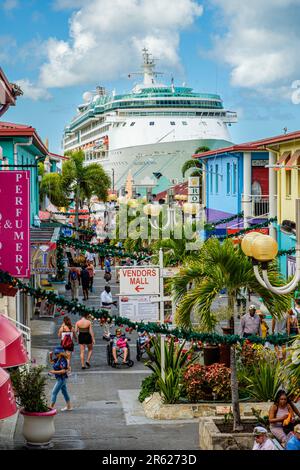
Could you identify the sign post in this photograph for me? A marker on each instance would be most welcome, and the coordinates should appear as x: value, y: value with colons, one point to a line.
x: 162, y: 313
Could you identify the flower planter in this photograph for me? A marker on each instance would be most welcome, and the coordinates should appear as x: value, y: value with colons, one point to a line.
x: 211, y: 438
x: 59, y: 286
x: 38, y: 428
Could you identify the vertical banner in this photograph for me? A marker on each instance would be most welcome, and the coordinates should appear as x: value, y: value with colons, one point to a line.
x: 15, y: 223
x: 194, y: 189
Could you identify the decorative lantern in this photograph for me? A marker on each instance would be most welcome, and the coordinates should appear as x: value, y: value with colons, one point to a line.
x: 190, y: 208
x: 247, y: 241
x: 152, y: 210
x: 264, y: 248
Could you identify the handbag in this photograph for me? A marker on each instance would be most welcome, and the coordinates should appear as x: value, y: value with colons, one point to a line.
x: 68, y: 286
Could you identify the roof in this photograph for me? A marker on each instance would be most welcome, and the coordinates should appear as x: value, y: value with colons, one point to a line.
x: 57, y: 157
x: 8, y: 88
x: 8, y: 129
x: 181, y: 188
x: 256, y: 145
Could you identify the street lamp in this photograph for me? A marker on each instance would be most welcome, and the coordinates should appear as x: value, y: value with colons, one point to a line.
x: 263, y: 249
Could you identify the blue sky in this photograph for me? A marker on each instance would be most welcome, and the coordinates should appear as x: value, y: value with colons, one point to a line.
x: 57, y: 49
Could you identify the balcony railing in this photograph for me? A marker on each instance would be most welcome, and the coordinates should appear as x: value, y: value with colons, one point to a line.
x: 260, y: 205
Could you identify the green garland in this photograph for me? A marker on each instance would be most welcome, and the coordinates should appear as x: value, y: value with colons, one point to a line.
x: 212, y: 225
x: 292, y: 251
x: 187, y: 334
x: 248, y: 229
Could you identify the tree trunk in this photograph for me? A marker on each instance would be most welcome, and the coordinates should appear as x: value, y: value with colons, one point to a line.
x: 237, y: 425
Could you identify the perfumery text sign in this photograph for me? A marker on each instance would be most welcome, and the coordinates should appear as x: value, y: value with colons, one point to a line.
x: 15, y: 223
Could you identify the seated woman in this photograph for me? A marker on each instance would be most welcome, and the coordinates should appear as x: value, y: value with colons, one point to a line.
x: 144, y: 340
x: 119, y: 345
x: 280, y: 413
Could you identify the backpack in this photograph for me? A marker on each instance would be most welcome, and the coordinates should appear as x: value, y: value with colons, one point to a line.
x: 73, y: 276
x: 67, y: 343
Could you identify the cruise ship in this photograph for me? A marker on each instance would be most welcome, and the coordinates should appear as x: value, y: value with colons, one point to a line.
x: 149, y: 132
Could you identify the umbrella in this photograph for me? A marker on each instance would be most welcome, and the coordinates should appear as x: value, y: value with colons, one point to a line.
x: 12, y: 350
x: 7, y: 399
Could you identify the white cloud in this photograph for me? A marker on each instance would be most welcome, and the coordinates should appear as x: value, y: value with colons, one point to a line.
x: 9, y: 5
x: 261, y: 43
x: 106, y: 38
x: 33, y: 92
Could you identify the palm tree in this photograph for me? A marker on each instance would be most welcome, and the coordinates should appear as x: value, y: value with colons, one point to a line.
x: 221, y: 266
x: 195, y: 164
x: 82, y: 181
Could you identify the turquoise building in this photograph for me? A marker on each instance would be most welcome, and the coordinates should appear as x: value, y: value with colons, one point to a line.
x: 22, y: 149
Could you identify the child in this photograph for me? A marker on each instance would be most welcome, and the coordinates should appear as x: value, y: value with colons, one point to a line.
x: 60, y: 370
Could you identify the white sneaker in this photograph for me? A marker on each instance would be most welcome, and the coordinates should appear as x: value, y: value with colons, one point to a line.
x: 66, y: 409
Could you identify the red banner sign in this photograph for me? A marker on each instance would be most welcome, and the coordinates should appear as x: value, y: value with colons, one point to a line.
x: 15, y: 223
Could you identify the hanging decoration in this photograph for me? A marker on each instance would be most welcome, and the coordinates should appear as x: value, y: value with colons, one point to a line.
x: 156, y: 328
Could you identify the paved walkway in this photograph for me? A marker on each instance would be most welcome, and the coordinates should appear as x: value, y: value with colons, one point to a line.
x: 107, y: 414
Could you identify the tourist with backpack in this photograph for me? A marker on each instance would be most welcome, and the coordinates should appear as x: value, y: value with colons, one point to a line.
x: 74, y: 281
x: 67, y: 335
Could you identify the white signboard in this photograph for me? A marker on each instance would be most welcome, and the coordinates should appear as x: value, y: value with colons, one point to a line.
x: 138, y: 308
x: 139, y: 281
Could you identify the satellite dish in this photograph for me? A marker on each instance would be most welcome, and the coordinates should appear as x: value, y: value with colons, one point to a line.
x: 87, y: 96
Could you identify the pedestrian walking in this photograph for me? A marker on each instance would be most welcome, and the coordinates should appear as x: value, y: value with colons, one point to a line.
x: 91, y: 271
x: 90, y: 258
x: 107, y: 302
x: 67, y: 335
x: 74, y: 280
x: 292, y: 323
x: 86, y: 338
x: 60, y: 369
x: 250, y: 323
x: 107, y: 267
x: 279, y: 327
x: 85, y: 280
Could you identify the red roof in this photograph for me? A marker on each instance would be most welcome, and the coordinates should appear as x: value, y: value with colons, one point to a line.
x: 181, y: 188
x: 256, y: 145
x: 8, y: 129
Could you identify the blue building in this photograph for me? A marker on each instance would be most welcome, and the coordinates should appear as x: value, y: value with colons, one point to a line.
x: 236, y: 179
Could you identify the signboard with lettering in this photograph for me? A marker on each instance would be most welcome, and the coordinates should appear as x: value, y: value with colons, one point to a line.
x: 15, y: 223
x: 139, y: 308
x: 141, y: 281
x: 43, y: 258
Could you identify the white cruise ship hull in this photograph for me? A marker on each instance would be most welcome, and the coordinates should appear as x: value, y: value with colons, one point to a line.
x: 142, y: 161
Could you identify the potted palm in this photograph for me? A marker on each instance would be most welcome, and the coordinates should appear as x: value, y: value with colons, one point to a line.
x: 29, y: 388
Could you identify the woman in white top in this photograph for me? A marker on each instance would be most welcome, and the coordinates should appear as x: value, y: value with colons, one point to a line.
x: 67, y: 334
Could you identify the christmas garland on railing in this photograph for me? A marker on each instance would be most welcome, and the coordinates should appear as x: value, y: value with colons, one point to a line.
x: 248, y: 229
x: 212, y: 225
x: 292, y: 251
x: 187, y: 334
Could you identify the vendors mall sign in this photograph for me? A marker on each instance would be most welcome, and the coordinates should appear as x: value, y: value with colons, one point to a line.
x: 15, y: 222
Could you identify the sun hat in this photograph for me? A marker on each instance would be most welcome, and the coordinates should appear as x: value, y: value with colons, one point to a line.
x: 259, y: 430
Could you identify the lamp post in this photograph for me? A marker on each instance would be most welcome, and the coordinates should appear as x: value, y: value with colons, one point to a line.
x: 263, y: 249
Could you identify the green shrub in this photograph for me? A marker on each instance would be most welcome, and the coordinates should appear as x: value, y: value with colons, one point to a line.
x: 29, y: 388
x: 148, y: 387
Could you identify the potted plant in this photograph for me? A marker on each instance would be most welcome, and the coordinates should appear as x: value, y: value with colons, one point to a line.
x: 29, y: 388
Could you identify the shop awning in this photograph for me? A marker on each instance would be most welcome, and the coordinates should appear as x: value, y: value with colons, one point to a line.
x: 7, y: 398
x: 12, y: 350
x: 293, y: 160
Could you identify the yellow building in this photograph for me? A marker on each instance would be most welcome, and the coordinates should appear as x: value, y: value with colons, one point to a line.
x: 284, y: 189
